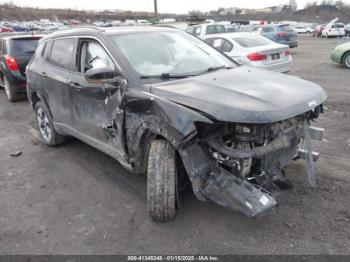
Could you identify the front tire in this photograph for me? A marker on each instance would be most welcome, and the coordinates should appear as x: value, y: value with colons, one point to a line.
x: 162, y: 181
x: 346, y: 61
x: 10, y: 91
x: 45, y: 125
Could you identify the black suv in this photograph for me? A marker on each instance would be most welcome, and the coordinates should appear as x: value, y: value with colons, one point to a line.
x: 166, y: 104
x: 15, y: 53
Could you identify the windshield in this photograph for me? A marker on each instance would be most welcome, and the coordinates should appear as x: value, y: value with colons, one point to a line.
x: 24, y: 47
x: 285, y: 28
x: 251, y: 41
x: 157, y: 53
x: 338, y: 26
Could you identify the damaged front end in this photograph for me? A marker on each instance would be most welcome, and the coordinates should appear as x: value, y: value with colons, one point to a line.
x: 236, y: 165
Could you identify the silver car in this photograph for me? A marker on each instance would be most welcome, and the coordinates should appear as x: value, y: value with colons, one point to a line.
x: 253, y: 50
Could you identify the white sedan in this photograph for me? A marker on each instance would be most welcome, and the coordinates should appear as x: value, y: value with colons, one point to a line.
x: 253, y: 50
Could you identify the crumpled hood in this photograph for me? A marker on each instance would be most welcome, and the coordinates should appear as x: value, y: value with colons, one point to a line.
x: 244, y: 94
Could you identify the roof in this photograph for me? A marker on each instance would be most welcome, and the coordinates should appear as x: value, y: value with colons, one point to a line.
x: 92, y: 30
x: 19, y: 36
x: 233, y: 34
x: 205, y: 24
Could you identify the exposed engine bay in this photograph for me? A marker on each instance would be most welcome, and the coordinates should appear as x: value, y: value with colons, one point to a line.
x: 249, y: 160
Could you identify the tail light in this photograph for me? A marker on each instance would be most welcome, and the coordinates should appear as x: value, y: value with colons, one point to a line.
x: 287, y: 52
x: 256, y: 57
x: 11, y: 63
x: 282, y: 34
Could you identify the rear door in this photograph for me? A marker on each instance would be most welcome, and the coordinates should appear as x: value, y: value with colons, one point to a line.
x: 60, y: 67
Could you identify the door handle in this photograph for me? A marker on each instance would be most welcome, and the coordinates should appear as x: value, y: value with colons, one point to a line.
x: 43, y: 74
x: 76, y: 86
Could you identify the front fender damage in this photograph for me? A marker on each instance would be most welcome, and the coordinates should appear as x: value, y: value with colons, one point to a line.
x: 229, y: 167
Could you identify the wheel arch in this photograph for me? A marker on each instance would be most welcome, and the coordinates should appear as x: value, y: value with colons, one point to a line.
x: 163, y: 119
x: 34, y: 97
x: 343, y: 56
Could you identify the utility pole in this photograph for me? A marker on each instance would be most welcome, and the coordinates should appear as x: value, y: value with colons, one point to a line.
x: 155, y: 10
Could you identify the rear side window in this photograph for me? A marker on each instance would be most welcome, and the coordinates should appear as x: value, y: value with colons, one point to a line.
x: 215, y: 29
x: 63, y: 53
x: 190, y: 30
x: 23, y: 47
x: 247, y: 41
x: 198, y: 31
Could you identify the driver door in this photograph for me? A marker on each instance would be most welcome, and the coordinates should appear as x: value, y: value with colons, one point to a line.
x: 94, y: 114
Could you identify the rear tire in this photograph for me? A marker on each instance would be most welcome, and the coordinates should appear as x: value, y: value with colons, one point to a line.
x: 45, y: 126
x: 10, y: 91
x: 162, y: 181
x: 346, y: 61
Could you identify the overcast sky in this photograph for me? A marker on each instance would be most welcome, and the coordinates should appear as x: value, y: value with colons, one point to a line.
x: 171, y: 6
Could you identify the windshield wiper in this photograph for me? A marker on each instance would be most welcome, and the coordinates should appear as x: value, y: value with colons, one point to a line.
x: 167, y: 76
x: 174, y: 75
x: 214, y: 68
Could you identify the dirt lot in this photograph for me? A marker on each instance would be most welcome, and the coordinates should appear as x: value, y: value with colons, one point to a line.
x: 74, y: 199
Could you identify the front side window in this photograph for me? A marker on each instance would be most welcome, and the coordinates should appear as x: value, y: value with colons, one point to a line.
x: 220, y: 44
x: 63, y: 53
x: 93, y: 55
x: 168, y: 52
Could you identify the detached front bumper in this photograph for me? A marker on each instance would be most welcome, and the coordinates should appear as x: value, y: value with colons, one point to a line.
x: 212, y: 181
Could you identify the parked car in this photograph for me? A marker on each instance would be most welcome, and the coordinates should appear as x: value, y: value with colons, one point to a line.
x: 5, y: 30
x: 15, y: 53
x: 206, y: 29
x: 347, y: 30
x: 318, y: 30
x: 303, y: 30
x: 18, y: 28
x: 253, y: 50
x: 282, y: 34
x: 334, y: 30
x: 341, y: 55
x: 182, y: 111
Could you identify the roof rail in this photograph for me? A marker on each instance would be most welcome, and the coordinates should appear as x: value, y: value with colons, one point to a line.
x: 81, y: 27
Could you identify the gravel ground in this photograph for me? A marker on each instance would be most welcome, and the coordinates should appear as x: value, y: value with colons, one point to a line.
x: 74, y: 199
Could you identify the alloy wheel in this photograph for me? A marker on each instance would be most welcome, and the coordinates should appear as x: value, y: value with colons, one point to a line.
x: 44, y: 124
x: 7, y: 89
x: 347, y: 61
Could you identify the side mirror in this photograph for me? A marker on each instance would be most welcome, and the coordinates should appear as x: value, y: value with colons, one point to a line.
x: 99, y: 74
